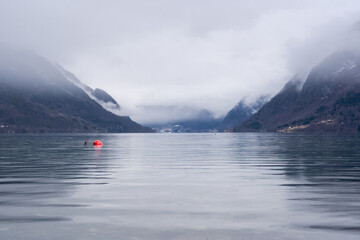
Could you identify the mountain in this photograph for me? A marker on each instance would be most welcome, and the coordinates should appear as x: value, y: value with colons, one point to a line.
x: 99, y: 95
x: 197, y: 121
x: 241, y: 112
x: 35, y: 96
x: 103, y: 96
x: 329, y: 100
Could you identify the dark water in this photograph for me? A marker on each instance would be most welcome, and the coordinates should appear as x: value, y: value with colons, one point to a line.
x: 180, y: 186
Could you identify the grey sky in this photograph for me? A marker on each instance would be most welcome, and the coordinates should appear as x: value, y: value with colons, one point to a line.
x: 199, y: 54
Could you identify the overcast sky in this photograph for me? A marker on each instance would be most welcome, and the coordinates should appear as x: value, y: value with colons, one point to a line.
x: 198, y: 54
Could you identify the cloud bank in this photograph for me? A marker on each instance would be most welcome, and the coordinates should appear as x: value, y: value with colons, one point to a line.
x: 201, y: 54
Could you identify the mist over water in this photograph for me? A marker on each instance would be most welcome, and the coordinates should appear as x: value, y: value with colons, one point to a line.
x: 180, y: 186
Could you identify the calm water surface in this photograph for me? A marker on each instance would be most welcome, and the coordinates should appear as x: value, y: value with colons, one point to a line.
x: 180, y: 186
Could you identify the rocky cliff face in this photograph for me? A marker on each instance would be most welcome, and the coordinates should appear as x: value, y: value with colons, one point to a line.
x: 329, y: 100
x: 35, y: 96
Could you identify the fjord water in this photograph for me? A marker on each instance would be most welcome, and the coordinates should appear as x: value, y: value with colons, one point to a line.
x: 180, y: 186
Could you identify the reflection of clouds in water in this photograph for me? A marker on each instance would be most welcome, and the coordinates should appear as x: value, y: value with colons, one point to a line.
x: 322, y: 173
x: 325, y: 169
x: 39, y: 172
x: 178, y: 186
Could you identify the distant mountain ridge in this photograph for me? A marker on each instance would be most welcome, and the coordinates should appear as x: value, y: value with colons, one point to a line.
x: 329, y: 100
x: 199, y: 121
x: 241, y: 112
x: 36, y: 97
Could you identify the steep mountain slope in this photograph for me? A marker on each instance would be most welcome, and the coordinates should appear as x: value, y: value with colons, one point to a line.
x: 241, y: 112
x: 99, y: 95
x: 36, y: 97
x: 329, y: 100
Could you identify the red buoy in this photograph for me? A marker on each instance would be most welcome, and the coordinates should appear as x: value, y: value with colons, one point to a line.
x: 97, y: 143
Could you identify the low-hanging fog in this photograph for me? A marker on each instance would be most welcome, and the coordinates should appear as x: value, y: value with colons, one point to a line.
x: 200, y: 54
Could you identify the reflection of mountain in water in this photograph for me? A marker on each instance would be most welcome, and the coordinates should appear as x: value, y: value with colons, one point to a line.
x: 138, y: 185
x: 326, y: 170
x: 40, y: 171
x: 321, y: 171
